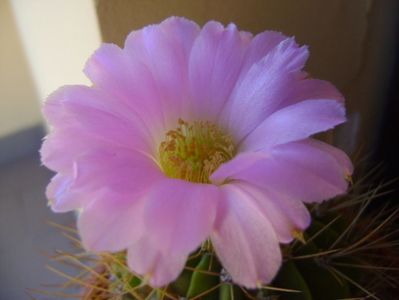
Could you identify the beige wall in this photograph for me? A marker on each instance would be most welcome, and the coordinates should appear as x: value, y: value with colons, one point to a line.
x: 44, y: 44
x: 351, y: 42
x: 58, y: 36
x: 19, y: 107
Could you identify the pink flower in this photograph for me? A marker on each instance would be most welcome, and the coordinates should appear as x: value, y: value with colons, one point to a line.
x: 188, y: 134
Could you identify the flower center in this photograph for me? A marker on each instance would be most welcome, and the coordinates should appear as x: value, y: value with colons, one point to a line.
x: 194, y: 150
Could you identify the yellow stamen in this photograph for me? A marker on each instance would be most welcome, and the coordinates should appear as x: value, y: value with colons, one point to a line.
x: 193, y: 151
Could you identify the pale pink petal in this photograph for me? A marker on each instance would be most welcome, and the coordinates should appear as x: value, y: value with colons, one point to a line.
x: 129, y: 82
x: 85, y: 119
x: 214, y: 67
x: 312, y: 89
x: 339, y: 155
x: 119, y: 170
x: 165, y: 50
x: 310, y: 161
x: 179, y: 214
x: 298, y: 170
x: 61, y: 197
x: 178, y: 217
x: 115, y: 183
x: 295, y: 122
x: 264, y: 88
x: 146, y: 259
x: 57, y: 103
x: 242, y: 162
x: 111, y: 221
x: 244, y: 240
x: 63, y: 146
x: 142, y: 256
x: 259, y: 47
x: 285, y: 214
x: 83, y: 107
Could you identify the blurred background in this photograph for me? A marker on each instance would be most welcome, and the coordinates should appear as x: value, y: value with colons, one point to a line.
x: 45, y: 43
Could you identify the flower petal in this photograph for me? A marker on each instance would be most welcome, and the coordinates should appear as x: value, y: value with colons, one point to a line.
x: 263, y: 89
x: 285, y: 214
x: 130, y: 84
x: 241, y: 163
x: 295, y: 122
x: 165, y: 50
x: 61, y: 197
x: 214, y: 67
x: 340, y: 156
x: 119, y: 170
x: 314, y: 174
x: 144, y: 258
x: 244, y: 240
x: 306, y: 89
x: 259, y: 47
x: 83, y: 107
x: 299, y: 170
x: 62, y: 147
x: 180, y: 214
x: 111, y: 222
x: 116, y: 184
